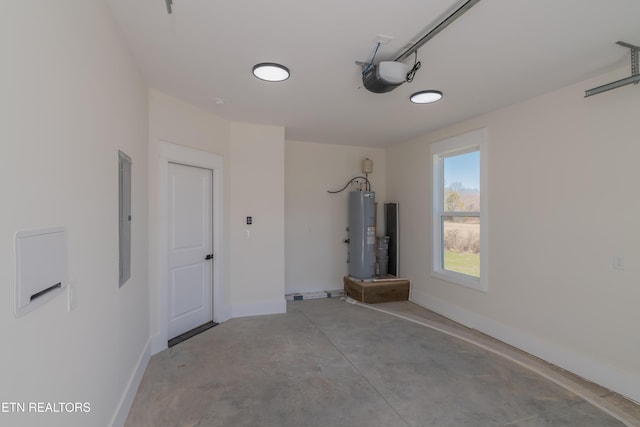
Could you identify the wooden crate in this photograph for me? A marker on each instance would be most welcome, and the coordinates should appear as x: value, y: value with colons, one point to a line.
x: 378, y: 290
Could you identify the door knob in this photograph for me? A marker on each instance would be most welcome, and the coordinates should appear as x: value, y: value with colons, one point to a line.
x: 208, y: 257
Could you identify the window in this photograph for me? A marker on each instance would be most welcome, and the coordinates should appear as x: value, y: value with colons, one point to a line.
x: 124, y: 216
x: 459, y: 209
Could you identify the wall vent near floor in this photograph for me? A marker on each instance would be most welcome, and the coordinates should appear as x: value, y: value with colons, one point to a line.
x: 314, y: 295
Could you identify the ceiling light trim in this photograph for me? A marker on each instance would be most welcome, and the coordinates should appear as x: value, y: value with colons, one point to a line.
x: 426, y: 97
x: 271, y: 72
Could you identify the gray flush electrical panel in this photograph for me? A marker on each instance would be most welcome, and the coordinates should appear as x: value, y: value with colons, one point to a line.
x: 362, y: 234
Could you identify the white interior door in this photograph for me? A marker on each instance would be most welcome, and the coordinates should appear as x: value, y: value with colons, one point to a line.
x: 190, y: 248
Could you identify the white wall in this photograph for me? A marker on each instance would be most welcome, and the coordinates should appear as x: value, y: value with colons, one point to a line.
x: 563, y: 178
x: 315, y: 220
x: 71, y: 98
x: 257, y: 189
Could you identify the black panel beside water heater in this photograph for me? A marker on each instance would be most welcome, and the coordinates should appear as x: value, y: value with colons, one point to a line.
x: 362, y: 234
x: 392, y: 230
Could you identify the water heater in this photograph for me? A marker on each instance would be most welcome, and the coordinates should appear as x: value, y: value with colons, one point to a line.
x: 362, y: 234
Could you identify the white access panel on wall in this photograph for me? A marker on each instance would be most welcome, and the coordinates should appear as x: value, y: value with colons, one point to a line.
x: 41, y: 267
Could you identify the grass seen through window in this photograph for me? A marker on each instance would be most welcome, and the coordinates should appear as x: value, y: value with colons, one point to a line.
x: 461, y: 246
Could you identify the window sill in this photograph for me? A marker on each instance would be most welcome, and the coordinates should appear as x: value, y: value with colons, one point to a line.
x: 461, y: 279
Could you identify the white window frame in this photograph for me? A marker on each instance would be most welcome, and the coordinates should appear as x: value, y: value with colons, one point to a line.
x: 472, y: 141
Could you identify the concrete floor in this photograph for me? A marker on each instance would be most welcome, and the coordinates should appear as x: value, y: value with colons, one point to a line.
x: 330, y: 363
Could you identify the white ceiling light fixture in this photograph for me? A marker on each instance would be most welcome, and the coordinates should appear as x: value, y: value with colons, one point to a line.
x: 271, y: 72
x: 426, y: 96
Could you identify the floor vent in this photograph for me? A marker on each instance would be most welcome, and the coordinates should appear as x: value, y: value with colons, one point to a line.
x: 314, y: 295
x: 192, y: 333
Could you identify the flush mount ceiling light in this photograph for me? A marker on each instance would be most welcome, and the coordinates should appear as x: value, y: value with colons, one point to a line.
x: 271, y: 72
x: 426, y: 96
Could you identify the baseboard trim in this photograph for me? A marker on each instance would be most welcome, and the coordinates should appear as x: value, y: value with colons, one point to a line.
x: 611, y: 377
x: 126, y: 401
x: 157, y: 344
x: 259, y: 308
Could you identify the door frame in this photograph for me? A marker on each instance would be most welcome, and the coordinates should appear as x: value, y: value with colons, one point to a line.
x: 173, y: 153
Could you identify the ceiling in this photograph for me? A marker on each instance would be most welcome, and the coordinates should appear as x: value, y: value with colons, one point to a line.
x: 498, y: 53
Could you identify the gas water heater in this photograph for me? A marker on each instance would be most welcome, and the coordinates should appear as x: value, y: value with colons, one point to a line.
x: 362, y: 234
